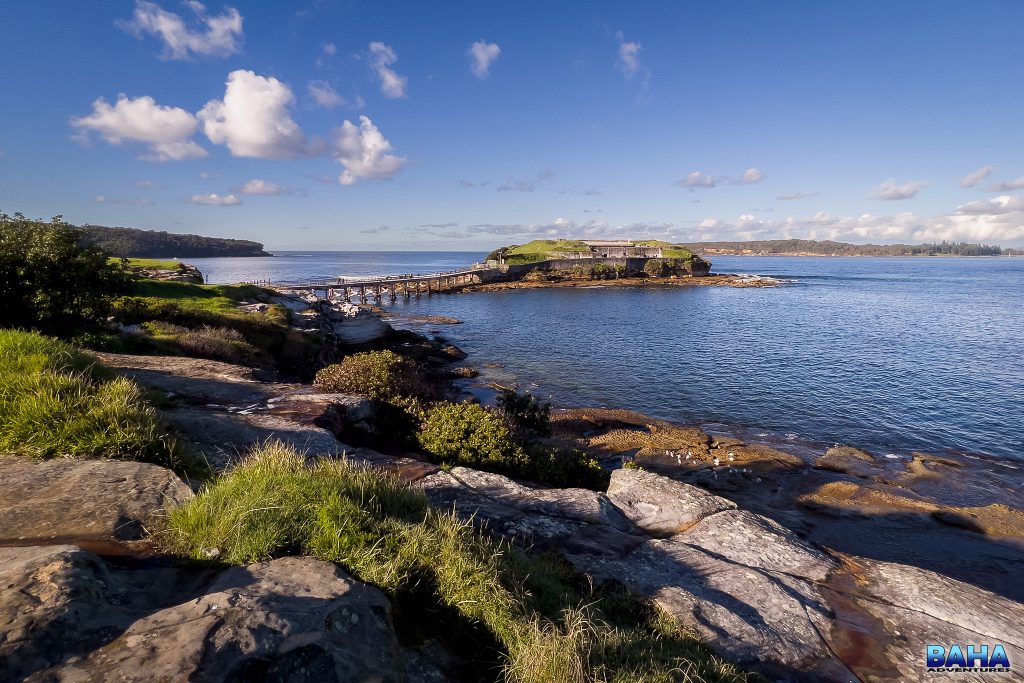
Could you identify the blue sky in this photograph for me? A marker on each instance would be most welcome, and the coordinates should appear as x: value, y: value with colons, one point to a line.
x: 362, y: 125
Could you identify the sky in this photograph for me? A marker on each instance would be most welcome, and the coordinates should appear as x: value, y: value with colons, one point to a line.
x: 468, y: 125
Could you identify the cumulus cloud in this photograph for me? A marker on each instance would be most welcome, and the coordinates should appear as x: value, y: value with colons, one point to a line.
x: 214, y: 199
x: 166, y: 130
x: 792, y: 196
x: 1008, y: 185
x: 995, y: 206
x: 257, y: 186
x: 1000, y: 220
x: 363, y: 151
x: 381, y: 58
x: 751, y: 175
x: 253, y: 119
x: 100, y: 199
x: 698, y: 180
x: 482, y: 54
x: 212, y: 36
x: 890, y: 191
x: 325, y: 95
x: 629, y: 56
x: 975, y: 177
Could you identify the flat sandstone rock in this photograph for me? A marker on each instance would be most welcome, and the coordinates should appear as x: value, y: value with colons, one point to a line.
x: 99, y: 500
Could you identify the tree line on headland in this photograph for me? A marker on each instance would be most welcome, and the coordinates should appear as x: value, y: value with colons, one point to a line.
x: 796, y: 247
x: 132, y: 242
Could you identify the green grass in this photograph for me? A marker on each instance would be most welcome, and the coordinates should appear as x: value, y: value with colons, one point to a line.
x: 668, y: 249
x: 56, y: 401
x: 546, y: 246
x: 151, y: 263
x: 532, y: 619
x: 211, y: 299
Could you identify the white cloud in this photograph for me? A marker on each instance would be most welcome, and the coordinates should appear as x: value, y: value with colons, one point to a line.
x: 790, y: 196
x: 381, y: 58
x: 253, y: 119
x: 698, y: 180
x: 629, y: 56
x: 214, y: 36
x: 325, y: 95
x: 208, y: 176
x: 166, y: 130
x: 363, y: 151
x: 482, y: 54
x: 214, y: 199
x: 975, y: 177
x: 1008, y: 185
x: 330, y: 48
x: 257, y: 186
x: 146, y: 184
x: 751, y: 175
x: 994, y: 206
x: 100, y: 199
x: 890, y: 191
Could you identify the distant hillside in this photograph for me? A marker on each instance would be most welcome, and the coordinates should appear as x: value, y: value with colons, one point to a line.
x: 829, y: 248
x: 132, y: 242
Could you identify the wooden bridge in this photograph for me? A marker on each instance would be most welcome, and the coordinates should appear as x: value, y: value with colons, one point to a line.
x: 391, y: 287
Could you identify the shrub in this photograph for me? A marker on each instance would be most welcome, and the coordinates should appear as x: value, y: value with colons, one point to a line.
x: 379, y: 375
x: 655, y: 267
x: 566, y: 467
x: 217, y: 343
x: 471, y: 435
x: 51, y: 284
x: 276, y: 503
x: 54, y: 402
x: 525, y: 412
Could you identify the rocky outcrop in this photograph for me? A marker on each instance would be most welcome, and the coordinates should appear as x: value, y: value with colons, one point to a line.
x: 223, y: 410
x: 67, y: 617
x: 756, y: 592
x: 660, y: 506
x: 543, y: 519
x: 353, y: 324
x: 84, y: 501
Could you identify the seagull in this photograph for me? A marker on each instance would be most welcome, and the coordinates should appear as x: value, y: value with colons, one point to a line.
x: 731, y: 456
x: 717, y: 461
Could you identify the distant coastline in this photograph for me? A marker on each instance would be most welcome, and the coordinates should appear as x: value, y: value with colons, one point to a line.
x: 796, y: 247
x: 135, y: 243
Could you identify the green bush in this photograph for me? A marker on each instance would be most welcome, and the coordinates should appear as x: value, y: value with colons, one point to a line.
x: 655, y: 267
x: 470, y: 435
x: 379, y: 375
x: 525, y: 412
x: 56, y: 402
x: 49, y: 283
x: 276, y: 503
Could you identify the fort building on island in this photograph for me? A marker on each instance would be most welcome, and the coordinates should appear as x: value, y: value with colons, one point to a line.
x: 613, y: 249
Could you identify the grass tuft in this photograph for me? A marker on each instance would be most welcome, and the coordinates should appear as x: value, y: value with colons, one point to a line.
x: 56, y: 401
x: 535, y: 613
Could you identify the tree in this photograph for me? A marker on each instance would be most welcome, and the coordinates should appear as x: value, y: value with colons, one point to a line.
x: 48, y: 282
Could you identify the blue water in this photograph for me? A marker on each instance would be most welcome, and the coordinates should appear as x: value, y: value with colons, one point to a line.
x: 298, y: 266
x: 887, y: 354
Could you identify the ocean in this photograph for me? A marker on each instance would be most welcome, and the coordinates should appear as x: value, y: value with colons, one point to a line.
x: 887, y: 354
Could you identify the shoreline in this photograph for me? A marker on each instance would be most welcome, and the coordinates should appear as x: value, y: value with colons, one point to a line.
x: 712, y: 280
